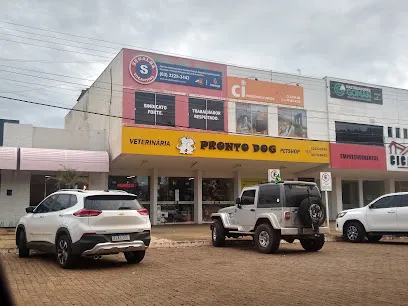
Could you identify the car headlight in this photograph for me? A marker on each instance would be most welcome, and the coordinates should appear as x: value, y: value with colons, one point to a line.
x: 341, y: 214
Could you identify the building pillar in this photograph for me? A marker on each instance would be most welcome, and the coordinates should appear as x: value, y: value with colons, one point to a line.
x: 237, y: 184
x: 360, y: 193
x: 153, y: 195
x: 198, y: 197
x: 337, y: 201
x: 389, y: 185
x: 98, y: 181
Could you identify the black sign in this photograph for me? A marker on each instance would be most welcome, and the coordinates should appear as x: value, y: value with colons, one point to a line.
x: 154, y: 109
x: 352, y: 92
x: 206, y: 114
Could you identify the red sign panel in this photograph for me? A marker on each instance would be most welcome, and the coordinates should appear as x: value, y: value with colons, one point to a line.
x: 351, y: 156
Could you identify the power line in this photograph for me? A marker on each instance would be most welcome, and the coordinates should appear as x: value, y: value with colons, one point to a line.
x: 148, y: 122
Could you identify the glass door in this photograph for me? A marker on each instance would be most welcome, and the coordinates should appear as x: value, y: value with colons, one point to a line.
x: 175, y: 199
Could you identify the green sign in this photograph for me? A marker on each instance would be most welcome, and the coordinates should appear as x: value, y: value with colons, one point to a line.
x: 352, y: 92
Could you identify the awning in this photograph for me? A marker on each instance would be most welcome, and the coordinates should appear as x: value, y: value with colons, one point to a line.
x: 54, y: 160
x: 8, y: 158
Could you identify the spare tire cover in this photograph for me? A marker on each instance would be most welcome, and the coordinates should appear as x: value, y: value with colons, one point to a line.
x: 312, y: 211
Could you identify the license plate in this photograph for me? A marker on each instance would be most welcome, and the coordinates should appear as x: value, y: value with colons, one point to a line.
x: 120, y: 237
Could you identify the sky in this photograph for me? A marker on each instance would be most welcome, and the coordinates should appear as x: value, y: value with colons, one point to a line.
x: 50, y: 50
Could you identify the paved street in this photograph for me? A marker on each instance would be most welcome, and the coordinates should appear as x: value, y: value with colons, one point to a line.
x: 341, y: 273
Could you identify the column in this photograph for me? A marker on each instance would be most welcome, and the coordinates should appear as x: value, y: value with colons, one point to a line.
x: 198, y: 197
x: 237, y: 184
x: 389, y: 185
x: 153, y: 196
x: 360, y: 193
x: 337, y: 201
x: 98, y: 181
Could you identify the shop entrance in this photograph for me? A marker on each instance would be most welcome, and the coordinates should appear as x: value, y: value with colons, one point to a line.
x: 175, y: 199
x: 372, y: 190
x: 350, y: 195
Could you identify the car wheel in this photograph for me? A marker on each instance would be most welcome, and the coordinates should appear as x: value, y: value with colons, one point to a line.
x: 23, y: 251
x: 64, y: 254
x: 312, y: 244
x: 134, y: 257
x: 267, y: 239
x: 374, y: 238
x: 354, y: 232
x: 218, y: 234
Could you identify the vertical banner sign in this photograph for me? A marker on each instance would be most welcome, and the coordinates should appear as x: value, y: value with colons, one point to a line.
x: 273, y: 174
x: 326, y: 185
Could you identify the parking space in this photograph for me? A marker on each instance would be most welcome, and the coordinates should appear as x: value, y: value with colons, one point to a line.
x: 342, y: 273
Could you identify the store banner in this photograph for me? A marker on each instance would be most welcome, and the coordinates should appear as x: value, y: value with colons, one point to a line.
x: 353, y: 92
x: 351, y: 156
x: 251, y: 118
x: 261, y: 91
x: 206, y: 114
x: 397, y: 157
x: 145, y: 70
x: 154, y: 109
x: 212, y: 145
x: 292, y: 122
x: 247, y: 182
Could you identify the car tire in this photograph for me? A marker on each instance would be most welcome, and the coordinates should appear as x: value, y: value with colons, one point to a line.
x: 23, y: 251
x: 267, y: 239
x: 312, y: 210
x: 312, y: 244
x: 354, y: 232
x: 64, y: 252
x: 374, y: 238
x: 134, y: 257
x: 218, y: 234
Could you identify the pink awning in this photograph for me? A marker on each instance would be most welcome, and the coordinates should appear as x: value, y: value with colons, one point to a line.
x: 54, y: 160
x: 8, y: 158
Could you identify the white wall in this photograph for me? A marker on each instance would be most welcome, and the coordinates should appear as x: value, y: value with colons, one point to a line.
x: 27, y: 136
x: 12, y: 207
x: 315, y: 102
x: 99, y: 98
x: 393, y: 113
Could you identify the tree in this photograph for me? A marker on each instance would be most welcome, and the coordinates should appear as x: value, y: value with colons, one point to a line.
x: 68, y: 178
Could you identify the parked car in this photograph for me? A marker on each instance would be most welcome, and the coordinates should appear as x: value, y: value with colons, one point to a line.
x: 386, y: 215
x: 73, y: 223
x: 270, y: 212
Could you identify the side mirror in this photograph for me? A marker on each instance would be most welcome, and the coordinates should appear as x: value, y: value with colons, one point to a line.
x: 238, y: 202
x: 370, y: 206
x: 30, y: 209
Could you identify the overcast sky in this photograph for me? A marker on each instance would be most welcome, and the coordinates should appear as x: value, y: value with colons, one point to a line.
x: 363, y: 40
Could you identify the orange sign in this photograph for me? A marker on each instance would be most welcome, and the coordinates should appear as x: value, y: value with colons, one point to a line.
x: 261, y: 91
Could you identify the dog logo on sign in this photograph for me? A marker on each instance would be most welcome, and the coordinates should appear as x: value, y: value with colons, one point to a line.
x: 186, y: 145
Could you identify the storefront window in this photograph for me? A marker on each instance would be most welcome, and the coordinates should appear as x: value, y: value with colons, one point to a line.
x: 401, y: 186
x: 217, y: 194
x: 138, y: 185
x: 372, y: 190
x: 175, y: 199
x: 350, y: 195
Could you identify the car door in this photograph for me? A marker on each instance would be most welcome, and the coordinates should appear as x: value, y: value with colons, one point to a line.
x: 402, y: 213
x: 270, y: 201
x: 54, y: 218
x: 36, y: 227
x: 245, y: 214
x: 382, y: 214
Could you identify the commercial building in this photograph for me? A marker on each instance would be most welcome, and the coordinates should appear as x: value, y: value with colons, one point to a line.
x: 187, y: 135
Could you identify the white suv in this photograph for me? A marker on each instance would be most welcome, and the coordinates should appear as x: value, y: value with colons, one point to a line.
x: 72, y: 223
x: 386, y: 215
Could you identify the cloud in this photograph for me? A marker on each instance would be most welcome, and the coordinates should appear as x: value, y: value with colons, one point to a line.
x: 360, y: 40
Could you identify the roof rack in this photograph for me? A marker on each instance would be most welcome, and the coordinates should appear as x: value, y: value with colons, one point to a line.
x: 116, y: 190
x: 79, y: 190
x: 280, y: 182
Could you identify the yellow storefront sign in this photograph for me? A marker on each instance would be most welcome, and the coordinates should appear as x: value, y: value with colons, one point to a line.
x: 246, y: 182
x: 162, y: 142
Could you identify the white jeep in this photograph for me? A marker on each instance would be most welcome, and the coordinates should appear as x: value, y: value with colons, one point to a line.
x: 270, y: 212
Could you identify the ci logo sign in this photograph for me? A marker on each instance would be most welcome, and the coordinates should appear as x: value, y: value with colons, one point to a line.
x: 143, y: 69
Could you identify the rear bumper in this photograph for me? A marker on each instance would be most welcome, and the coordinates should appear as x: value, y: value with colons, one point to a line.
x: 99, y: 244
x: 304, y: 231
x: 116, y: 247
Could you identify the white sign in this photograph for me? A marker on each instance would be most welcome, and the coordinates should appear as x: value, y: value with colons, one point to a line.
x: 397, y: 158
x: 272, y: 174
x: 177, y: 195
x: 325, y: 181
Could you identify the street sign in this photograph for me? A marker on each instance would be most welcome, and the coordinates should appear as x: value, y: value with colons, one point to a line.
x: 325, y: 181
x: 272, y: 174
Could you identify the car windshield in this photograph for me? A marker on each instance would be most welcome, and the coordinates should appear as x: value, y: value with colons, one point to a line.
x: 295, y: 194
x: 112, y: 202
